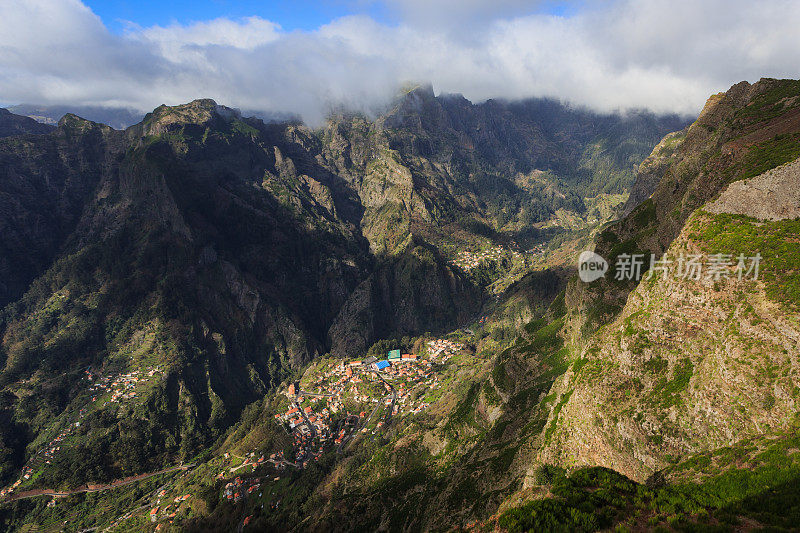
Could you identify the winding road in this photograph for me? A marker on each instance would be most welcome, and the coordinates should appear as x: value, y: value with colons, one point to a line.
x: 91, y: 488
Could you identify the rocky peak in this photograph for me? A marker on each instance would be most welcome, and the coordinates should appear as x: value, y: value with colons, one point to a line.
x: 75, y: 122
x: 423, y: 91
x: 199, y: 112
x: 75, y: 127
x: 415, y: 107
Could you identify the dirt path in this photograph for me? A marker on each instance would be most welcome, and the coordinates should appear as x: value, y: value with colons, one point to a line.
x: 92, y: 487
x: 317, y: 394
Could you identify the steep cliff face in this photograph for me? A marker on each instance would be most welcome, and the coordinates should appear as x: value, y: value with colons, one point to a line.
x: 171, y: 249
x: 229, y: 253
x: 430, y: 161
x: 45, y: 181
x: 650, y: 171
x: 691, y: 365
x: 414, y: 292
x: 739, y: 134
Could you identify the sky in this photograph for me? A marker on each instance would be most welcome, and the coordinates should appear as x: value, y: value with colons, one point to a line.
x: 307, y: 57
x: 292, y: 15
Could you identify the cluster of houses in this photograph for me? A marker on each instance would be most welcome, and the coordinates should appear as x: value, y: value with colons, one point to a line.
x: 248, y: 461
x: 278, y: 460
x: 389, y: 382
x: 413, y: 375
x: 240, y: 488
x: 467, y: 260
x: 168, y: 511
x: 44, y: 455
x: 122, y: 387
x: 394, y: 357
x: 26, y: 474
x: 310, y: 428
x: 537, y: 249
x: 443, y: 349
x: 307, y: 448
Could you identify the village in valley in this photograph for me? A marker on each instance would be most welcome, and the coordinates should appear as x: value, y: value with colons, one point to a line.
x: 338, y: 400
x: 496, y: 266
x: 468, y: 260
x: 335, y: 403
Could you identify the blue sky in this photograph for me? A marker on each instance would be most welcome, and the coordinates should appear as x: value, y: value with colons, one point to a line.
x: 290, y: 14
x: 304, y: 15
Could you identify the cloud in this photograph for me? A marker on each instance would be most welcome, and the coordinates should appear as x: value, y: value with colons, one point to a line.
x: 459, y: 14
x: 173, y: 40
x: 665, y: 56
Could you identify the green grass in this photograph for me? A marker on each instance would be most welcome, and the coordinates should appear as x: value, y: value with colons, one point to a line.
x: 767, y: 155
x: 244, y: 129
x: 592, y: 499
x: 772, y: 103
x: 777, y: 242
x: 546, y: 338
x: 645, y: 213
x: 556, y: 410
x: 588, y: 500
x: 680, y: 377
x: 666, y: 392
x: 656, y: 365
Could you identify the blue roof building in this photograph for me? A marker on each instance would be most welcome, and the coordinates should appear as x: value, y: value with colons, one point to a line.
x: 380, y: 365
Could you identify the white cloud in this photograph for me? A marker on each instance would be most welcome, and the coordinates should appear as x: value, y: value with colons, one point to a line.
x: 666, y: 56
x: 174, y: 40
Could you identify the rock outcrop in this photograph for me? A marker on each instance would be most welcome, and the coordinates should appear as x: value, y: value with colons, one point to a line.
x: 773, y: 195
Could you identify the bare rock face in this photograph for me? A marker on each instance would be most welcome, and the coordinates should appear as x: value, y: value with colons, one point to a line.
x: 416, y: 291
x: 45, y: 182
x: 773, y: 195
x: 650, y: 171
x: 164, y: 118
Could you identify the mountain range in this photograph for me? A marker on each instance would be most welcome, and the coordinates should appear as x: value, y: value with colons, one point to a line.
x: 170, y: 289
